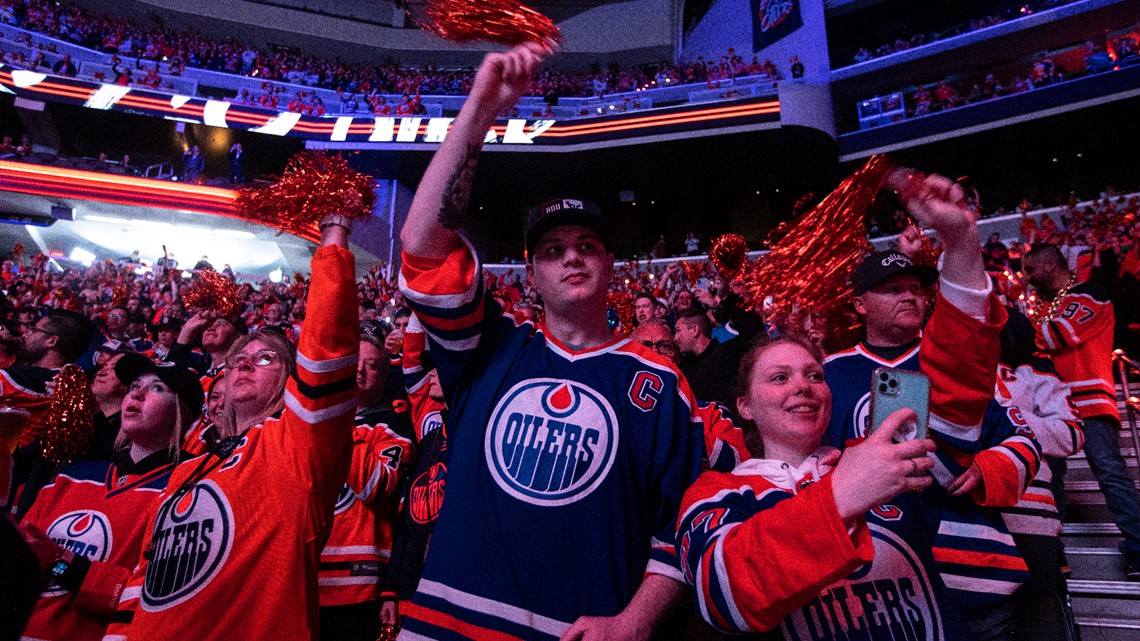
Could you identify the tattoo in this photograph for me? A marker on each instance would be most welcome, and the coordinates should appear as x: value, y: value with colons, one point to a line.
x: 453, y: 209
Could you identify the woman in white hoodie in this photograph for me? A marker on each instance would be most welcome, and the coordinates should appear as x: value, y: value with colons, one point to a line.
x: 799, y: 542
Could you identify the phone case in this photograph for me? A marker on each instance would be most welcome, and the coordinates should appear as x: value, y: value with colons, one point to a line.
x: 896, y: 389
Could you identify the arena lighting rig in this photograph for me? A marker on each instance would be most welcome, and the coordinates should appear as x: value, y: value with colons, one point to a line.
x: 406, y: 132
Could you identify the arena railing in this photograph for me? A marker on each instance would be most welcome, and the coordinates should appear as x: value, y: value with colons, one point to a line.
x: 193, y: 79
x: 1007, y: 226
x: 1126, y: 367
x: 994, y: 32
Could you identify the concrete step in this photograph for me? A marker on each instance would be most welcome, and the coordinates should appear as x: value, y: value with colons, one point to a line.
x: 1127, y: 451
x: 1113, y: 600
x: 1104, y: 629
x: 1095, y: 563
x: 1079, y: 490
x: 1089, y: 535
x: 1079, y: 469
x: 1085, y: 502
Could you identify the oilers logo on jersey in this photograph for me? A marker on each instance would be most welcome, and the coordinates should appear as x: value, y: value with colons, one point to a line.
x: 193, y: 535
x: 426, y: 496
x: 551, y: 442
x: 889, y: 598
x: 861, y: 417
x: 430, y: 423
x: 86, y: 533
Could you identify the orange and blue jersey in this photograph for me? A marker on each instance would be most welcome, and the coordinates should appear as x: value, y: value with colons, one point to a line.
x: 93, y: 509
x: 360, y: 544
x: 1079, y: 340
x: 565, y: 473
x: 243, y: 526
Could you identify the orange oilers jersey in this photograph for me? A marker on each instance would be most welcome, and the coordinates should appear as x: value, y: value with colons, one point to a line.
x: 233, y: 546
x: 360, y: 544
x: 426, y: 412
x: 1079, y: 340
x: 92, y: 509
x: 200, y: 437
x: 23, y: 387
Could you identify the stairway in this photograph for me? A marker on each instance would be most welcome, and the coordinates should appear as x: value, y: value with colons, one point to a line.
x: 1107, y: 607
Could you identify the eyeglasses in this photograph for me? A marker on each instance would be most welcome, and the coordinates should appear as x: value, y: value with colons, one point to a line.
x: 263, y: 358
x: 667, y: 348
x: 37, y: 328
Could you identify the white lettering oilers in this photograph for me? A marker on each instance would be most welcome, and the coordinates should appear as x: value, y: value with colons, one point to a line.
x: 193, y: 535
x: 889, y: 599
x: 551, y: 442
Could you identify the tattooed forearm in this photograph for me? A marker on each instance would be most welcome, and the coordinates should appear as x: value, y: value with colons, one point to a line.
x: 453, y: 209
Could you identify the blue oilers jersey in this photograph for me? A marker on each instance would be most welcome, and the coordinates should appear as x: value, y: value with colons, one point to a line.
x: 973, y: 550
x: 566, y: 468
x: 848, y: 374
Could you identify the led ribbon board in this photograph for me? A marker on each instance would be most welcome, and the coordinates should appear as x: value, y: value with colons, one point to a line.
x: 371, y: 131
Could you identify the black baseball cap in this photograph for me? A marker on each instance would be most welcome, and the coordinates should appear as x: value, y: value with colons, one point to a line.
x: 558, y: 212
x: 180, y: 380
x: 882, y: 265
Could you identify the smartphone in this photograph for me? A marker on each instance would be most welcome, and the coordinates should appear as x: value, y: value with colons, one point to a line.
x: 895, y: 389
x: 702, y: 283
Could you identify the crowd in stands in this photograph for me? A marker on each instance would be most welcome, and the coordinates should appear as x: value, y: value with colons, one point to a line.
x: 248, y: 461
x: 159, y: 54
x: 1013, y: 11
x: 142, y: 316
x: 1042, y: 71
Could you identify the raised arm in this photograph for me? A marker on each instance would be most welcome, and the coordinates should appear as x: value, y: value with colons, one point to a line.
x: 439, y: 209
x: 938, y: 202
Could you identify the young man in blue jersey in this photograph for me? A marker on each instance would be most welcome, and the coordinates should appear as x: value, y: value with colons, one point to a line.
x: 570, y: 449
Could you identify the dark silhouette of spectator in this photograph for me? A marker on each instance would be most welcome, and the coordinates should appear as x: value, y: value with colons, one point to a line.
x: 237, y: 164
x: 65, y: 67
x: 1097, y: 60
x: 194, y: 165
x: 797, y: 67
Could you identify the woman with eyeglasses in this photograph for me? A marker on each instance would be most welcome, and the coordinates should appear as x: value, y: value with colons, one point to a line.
x: 84, y: 527
x: 234, y: 544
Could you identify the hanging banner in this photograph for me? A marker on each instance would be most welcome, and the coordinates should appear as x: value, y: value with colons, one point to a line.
x: 772, y: 20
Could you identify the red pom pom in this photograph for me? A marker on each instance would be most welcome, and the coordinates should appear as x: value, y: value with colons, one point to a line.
x: 313, y: 186
x: 808, y: 271
x: 71, y: 417
x: 507, y: 22
x: 211, y: 290
x: 119, y: 295
x: 728, y: 255
x: 622, y: 303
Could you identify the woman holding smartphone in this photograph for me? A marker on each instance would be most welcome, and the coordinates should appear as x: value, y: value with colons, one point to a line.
x: 802, y: 542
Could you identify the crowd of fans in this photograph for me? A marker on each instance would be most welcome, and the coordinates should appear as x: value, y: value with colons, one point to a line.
x: 1043, y: 71
x: 160, y: 54
x: 1013, y: 11
x: 255, y: 466
x: 140, y: 318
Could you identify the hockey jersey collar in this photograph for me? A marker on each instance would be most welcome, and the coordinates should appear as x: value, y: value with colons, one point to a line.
x: 569, y: 354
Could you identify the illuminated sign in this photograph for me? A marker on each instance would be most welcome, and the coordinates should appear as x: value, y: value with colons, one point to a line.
x: 380, y: 131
